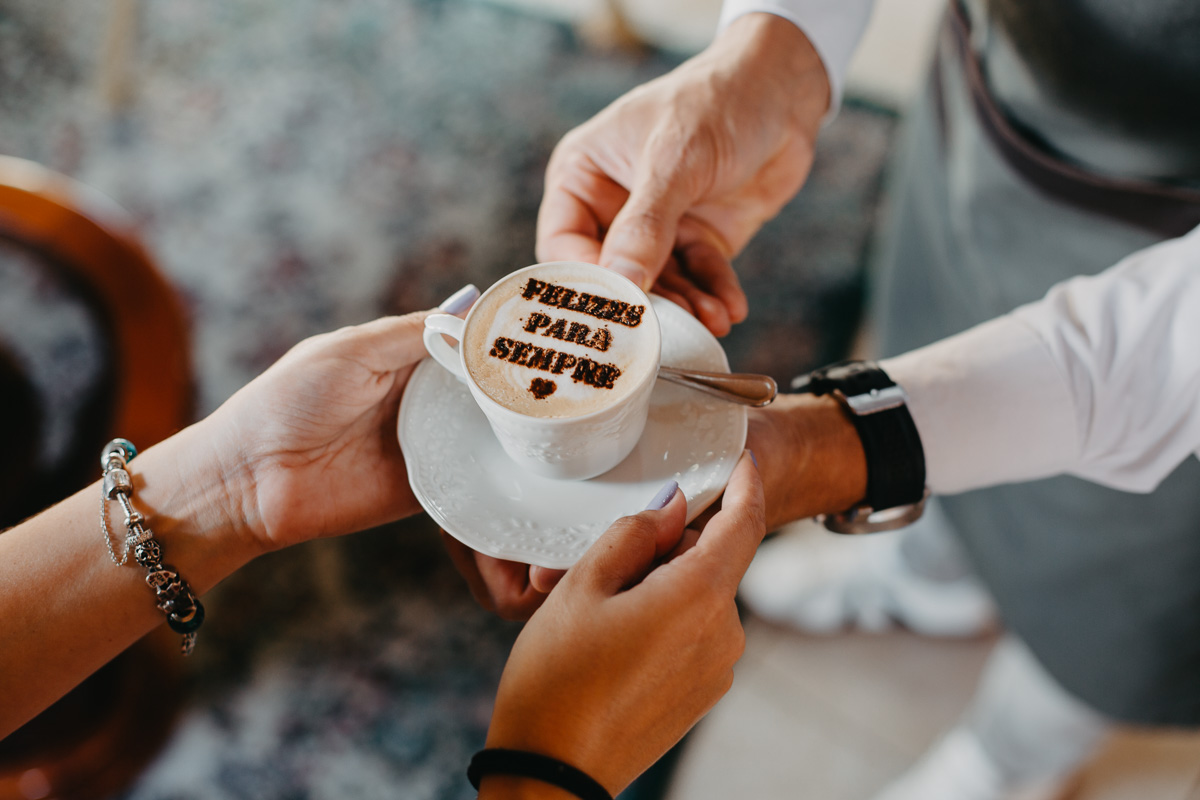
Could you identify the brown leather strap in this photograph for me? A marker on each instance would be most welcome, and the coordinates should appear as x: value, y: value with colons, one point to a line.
x: 1158, y: 207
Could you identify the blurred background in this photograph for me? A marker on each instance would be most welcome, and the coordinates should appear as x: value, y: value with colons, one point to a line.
x: 292, y: 167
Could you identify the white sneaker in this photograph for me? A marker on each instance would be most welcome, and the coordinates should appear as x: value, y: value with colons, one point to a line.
x: 823, y: 582
x: 958, y: 768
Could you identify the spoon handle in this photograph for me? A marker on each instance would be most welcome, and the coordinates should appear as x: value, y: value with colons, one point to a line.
x: 746, y: 389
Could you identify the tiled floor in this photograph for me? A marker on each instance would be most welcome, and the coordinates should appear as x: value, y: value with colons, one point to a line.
x: 835, y: 718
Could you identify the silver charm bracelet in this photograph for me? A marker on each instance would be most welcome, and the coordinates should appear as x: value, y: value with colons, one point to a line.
x: 185, y: 613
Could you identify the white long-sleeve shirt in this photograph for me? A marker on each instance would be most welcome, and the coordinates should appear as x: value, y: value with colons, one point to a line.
x: 1099, y: 379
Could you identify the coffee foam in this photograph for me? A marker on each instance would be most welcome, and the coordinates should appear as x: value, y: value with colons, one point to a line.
x: 571, y: 342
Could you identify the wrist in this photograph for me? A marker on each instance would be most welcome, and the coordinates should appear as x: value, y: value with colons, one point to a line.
x: 895, y: 459
x: 772, y: 50
x: 197, y: 505
x: 525, y: 773
x: 515, y: 726
x: 810, y: 456
x: 511, y: 787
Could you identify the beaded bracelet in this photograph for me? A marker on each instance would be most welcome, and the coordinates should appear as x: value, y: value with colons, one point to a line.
x: 185, y: 613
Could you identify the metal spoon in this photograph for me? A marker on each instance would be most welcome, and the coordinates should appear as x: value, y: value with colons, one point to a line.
x: 743, y: 388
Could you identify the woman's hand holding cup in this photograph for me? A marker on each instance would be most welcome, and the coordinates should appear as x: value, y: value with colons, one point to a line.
x: 636, y: 643
x: 309, y: 449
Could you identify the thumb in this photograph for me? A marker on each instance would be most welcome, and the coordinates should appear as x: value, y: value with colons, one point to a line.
x: 643, y: 233
x: 630, y: 547
x: 731, y: 537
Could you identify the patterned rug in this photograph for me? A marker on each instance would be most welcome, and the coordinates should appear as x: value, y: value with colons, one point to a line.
x: 299, y: 166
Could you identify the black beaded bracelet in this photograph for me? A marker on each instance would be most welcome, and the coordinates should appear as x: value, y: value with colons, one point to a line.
x: 499, y: 761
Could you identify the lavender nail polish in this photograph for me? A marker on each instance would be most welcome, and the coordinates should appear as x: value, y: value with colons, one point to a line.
x: 461, y: 300
x: 664, y: 496
x: 753, y: 458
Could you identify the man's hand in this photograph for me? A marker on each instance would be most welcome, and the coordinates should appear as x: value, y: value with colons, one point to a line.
x: 671, y: 181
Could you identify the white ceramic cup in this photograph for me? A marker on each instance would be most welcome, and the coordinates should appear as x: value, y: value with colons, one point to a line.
x: 562, y: 447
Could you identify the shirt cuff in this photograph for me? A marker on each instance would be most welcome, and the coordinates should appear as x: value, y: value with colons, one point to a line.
x: 991, y: 406
x: 834, y: 27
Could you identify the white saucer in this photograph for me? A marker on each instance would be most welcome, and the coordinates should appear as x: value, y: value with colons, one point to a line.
x: 464, y: 480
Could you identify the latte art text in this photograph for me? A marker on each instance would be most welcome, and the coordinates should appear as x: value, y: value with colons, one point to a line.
x: 593, y: 305
x: 562, y: 340
x: 569, y: 332
x: 584, y: 370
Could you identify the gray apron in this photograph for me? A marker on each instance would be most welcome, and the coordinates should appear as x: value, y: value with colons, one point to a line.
x: 1103, y: 586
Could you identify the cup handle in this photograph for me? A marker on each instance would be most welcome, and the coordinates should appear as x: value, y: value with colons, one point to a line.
x: 437, y: 325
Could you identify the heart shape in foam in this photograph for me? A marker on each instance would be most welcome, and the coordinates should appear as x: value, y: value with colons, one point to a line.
x: 542, y: 388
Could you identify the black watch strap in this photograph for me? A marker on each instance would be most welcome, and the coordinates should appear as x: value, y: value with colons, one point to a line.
x: 878, y: 408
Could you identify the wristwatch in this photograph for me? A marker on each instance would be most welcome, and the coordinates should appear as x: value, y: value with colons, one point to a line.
x: 878, y: 407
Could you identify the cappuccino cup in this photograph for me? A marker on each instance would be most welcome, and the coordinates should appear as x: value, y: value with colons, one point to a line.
x: 561, y: 358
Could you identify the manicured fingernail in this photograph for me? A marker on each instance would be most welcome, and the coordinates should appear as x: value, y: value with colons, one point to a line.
x: 663, y: 497
x: 753, y: 458
x: 461, y: 300
x: 635, y: 273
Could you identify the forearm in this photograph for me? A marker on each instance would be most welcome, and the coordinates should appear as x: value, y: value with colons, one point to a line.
x: 66, y: 609
x: 991, y: 407
x: 307, y: 449
x: 1099, y: 379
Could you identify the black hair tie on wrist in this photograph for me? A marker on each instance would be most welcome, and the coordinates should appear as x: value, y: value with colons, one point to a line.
x: 499, y: 761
